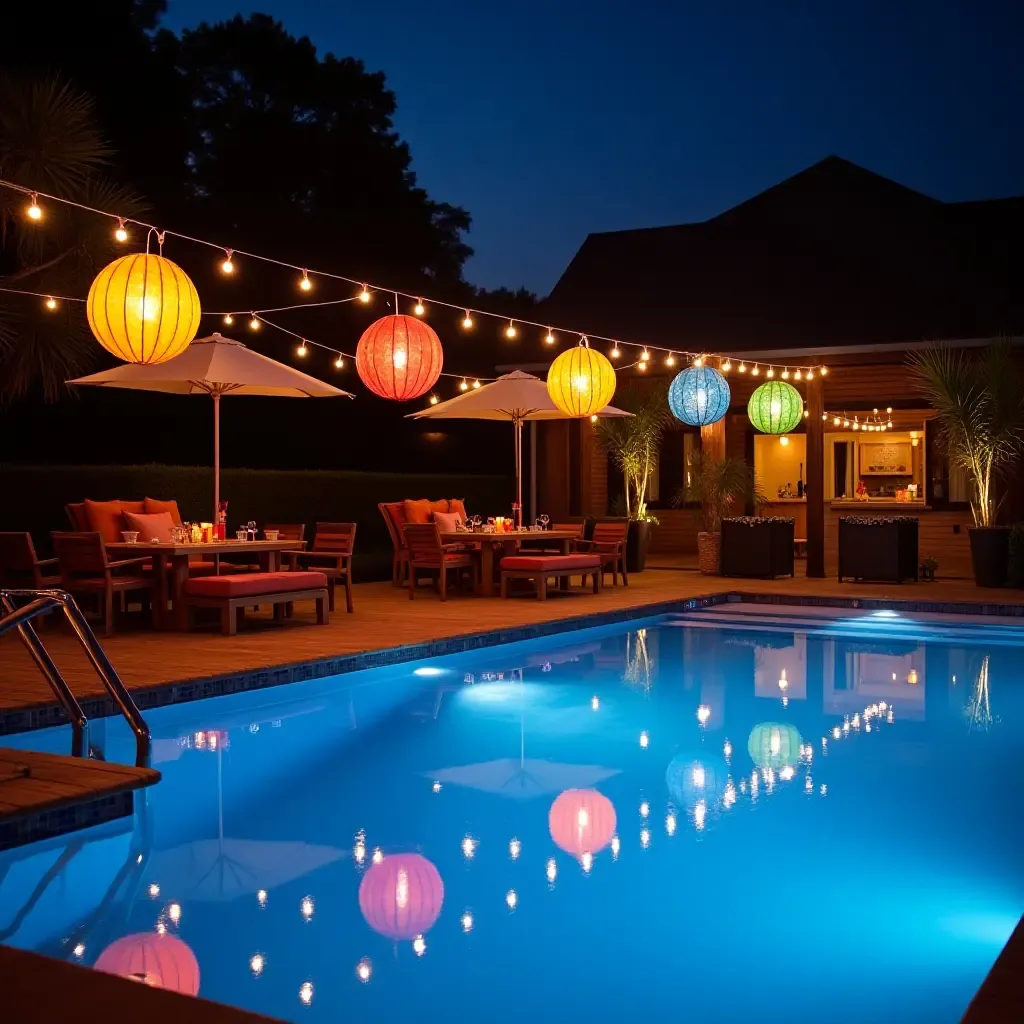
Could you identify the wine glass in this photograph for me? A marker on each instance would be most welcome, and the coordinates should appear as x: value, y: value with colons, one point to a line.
x: 250, y: 528
x: 544, y: 520
x: 477, y: 522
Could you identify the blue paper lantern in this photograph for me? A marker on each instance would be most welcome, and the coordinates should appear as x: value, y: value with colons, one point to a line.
x: 691, y: 779
x: 699, y: 395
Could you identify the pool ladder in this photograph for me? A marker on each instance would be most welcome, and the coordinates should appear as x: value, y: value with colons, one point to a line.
x: 19, y: 608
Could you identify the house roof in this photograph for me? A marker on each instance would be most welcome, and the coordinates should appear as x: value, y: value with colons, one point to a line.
x: 835, y: 255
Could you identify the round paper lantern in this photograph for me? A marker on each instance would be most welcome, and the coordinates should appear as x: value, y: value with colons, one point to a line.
x: 581, y: 821
x: 775, y: 407
x: 699, y: 395
x: 143, y: 309
x: 401, y: 896
x: 581, y: 382
x: 399, y: 357
x: 692, y: 779
x: 772, y: 745
x: 162, y: 961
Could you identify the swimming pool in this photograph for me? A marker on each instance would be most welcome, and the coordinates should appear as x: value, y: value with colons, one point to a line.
x: 734, y: 814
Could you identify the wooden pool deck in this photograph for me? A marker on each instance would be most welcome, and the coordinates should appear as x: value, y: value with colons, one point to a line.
x: 384, y: 617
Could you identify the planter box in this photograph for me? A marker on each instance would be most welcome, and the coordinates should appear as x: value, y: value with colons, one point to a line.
x: 757, y: 547
x: 883, y: 549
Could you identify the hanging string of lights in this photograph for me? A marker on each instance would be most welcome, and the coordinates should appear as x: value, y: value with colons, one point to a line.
x: 306, y: 282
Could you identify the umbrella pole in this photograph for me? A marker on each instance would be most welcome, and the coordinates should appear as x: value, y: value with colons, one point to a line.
x: 518, y: 424
x: 216, y: 456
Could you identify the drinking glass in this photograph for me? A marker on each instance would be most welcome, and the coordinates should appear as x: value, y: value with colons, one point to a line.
x: 544, y: 520
x: 251, y: 529
x: 477, y: 521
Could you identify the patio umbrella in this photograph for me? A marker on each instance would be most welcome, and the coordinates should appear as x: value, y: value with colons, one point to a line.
x: 216, y: 366
x: 515, y: 397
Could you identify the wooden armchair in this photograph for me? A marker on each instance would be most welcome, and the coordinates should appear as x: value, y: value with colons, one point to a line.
x: 286, y: 531
x: 428, y: 554
x: 608, y: 541
x: 546, y: 548
x: 84, y: 569
x: 331, y: 554
x: 20, y: 567
x: 400, y: 550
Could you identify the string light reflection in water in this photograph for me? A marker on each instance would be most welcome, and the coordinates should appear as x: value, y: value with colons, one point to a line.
x: 315, y: 870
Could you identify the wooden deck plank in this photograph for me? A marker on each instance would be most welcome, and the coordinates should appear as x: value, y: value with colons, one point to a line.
x: 384, y: 617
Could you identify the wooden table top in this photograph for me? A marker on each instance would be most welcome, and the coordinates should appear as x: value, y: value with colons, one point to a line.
x: 459, y: 535
x: 213, y: 547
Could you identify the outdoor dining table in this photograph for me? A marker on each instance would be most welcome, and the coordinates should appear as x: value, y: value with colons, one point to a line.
x: 171, y: 584
x: 506, y: 542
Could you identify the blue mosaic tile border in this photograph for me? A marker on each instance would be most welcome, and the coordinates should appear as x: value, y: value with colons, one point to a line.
x: 39, y: 825
x: 43, y: 716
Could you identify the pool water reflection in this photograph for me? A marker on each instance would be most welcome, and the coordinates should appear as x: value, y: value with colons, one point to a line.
x: 669, y: 820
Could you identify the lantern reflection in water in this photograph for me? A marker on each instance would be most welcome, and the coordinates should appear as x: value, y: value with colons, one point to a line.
x: 582, y: 821
x: 773, y: 745
x: 691, y: 780
x: 161, y: 961
x: 400, y: 897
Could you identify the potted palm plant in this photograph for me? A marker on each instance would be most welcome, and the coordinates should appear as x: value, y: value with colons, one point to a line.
x: 980, y: 416
x: 718, y: 485
x: 634, y: 443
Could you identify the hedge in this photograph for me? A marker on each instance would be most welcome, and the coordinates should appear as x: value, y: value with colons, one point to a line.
x: 34, y: 498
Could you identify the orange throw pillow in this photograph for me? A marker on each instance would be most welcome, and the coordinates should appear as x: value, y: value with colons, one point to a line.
x: 154, y: 527
x: 105, y: 519
x: 418, y: 511
x: 441, y: 505
x: 154, y: 507
x: 138, y: 507
x: 447, y: 522
x: 457, y: 506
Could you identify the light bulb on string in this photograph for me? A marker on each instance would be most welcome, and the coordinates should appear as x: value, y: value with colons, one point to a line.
x: 888, y: 410
x: 698, y: 362
x: 34, y: 211
x: 228, y: 319
x: 770, y: 371
x: 419, y: 309
x: 846, y: 423
x: 807, y: 412
x: 433, y: 399
x: 476, y: 384
x: 549, y: 338
x: 121, y: 232
x: 810, y: 375
x: 615, y: 353
x: 51, y: 303
x: 510, y: 331
x: 302, y: 351
x: 874, y: 412
x: 305, y: 284
x: 726, y: 366
x: 743, y: 368
x: 824, y: 416
x: 467, y: 321
x: 254, y: 323
x: 339, y: 363
x: 756, y: 371
x: 645, y: 356
x: 364, y: 294
x: 785, y: 374
x: 593, y: 419
x: 823, y: 370
x: 227, y: 266
x: 798, y: 375
x: 464, y: 386
x: 670, y: 360
x: 835, y: 421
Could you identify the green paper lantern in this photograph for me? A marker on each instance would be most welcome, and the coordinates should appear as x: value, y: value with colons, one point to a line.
x: 775, y: 407
x: 774, y: 745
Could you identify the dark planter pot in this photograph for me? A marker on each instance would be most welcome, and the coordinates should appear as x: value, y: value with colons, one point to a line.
x: 757, y: 547
x: 990, y: 554
x: 638, y: 540
x: 881, y: 548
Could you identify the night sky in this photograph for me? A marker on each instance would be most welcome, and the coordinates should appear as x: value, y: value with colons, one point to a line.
x: 549, y: 119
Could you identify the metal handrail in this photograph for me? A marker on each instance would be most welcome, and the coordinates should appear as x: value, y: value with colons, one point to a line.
x: 20, y: 617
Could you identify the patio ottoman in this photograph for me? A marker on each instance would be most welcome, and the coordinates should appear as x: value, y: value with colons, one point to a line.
x: 541, y: 567
x: 232, y: 594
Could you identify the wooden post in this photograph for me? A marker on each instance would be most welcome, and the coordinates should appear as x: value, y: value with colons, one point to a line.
x: 815, y: 487
x: 712, y: 439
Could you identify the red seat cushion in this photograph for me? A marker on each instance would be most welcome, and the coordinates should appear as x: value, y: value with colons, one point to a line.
x: 551, y: 563
x: 256, y: 583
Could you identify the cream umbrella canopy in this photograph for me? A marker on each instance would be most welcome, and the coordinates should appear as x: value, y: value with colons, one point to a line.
x: 216, y: 366
x: 516, y: 397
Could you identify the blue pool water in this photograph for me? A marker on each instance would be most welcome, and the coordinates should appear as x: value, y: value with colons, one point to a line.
x: 709, y: 818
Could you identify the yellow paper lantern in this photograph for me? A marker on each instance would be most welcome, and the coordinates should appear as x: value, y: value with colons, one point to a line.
x: 581, y: 382
x: 143, y: 309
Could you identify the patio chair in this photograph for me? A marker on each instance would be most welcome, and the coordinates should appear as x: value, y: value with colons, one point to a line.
x: 394, y: 515
x: 84, y: 569
x: 609, y: 541
x: 576, y: 528
x: 428, y: 554
x: 20, y: 567
x: 331, y: 554
x: 286, y: 531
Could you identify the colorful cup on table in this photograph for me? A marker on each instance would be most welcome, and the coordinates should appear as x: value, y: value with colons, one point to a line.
x: 130, y: 536
x: 271, y: 534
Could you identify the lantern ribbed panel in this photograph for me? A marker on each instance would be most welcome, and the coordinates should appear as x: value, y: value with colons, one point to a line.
x: 399, y: 357
x: 401, y: 896
x: 775, y: 407
x: 699, y: 395
x: 773, y: 745
x: 581, y: 382
x: 161, y: 961
x: 582, y: 821
x: 143, y: 309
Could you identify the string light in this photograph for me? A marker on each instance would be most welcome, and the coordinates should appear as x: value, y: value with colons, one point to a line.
x: 467, y: 321
x: 756, y: 371
x: 464, y: 386
x: 227, y: 266
x: 810, y: 375
x: 228, y: 319
x: 51, y: 303
x: 785, y: 373
x: 254, y: 323
x: 364, y: 294
x: 305, y: 284
x: 670, y: 360
x: 593, y: 419
x: 34, y: 211
x: 419, y: 309
x: 121, y: 233
x: 476, y: 384
x: 642, y: 366
x: 434, y: 399
x: 743, y: 367
x: 726, y: 366
x: 823, y: 371
x: 302, y: 351
x: 698, y: 362
x: 549, y: 337
x: 339, y: 363
x: 771, y: 371
x: 797, y: 375
x: 615, y: 353
x: 510, y: 331
x: 645, y: 356
x: 888, y: 410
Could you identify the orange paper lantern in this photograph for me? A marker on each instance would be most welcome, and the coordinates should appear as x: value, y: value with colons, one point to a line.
x: 399, y: 357
x: 161, y: 961
x: 401, y: 896
x: 582, y: 821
